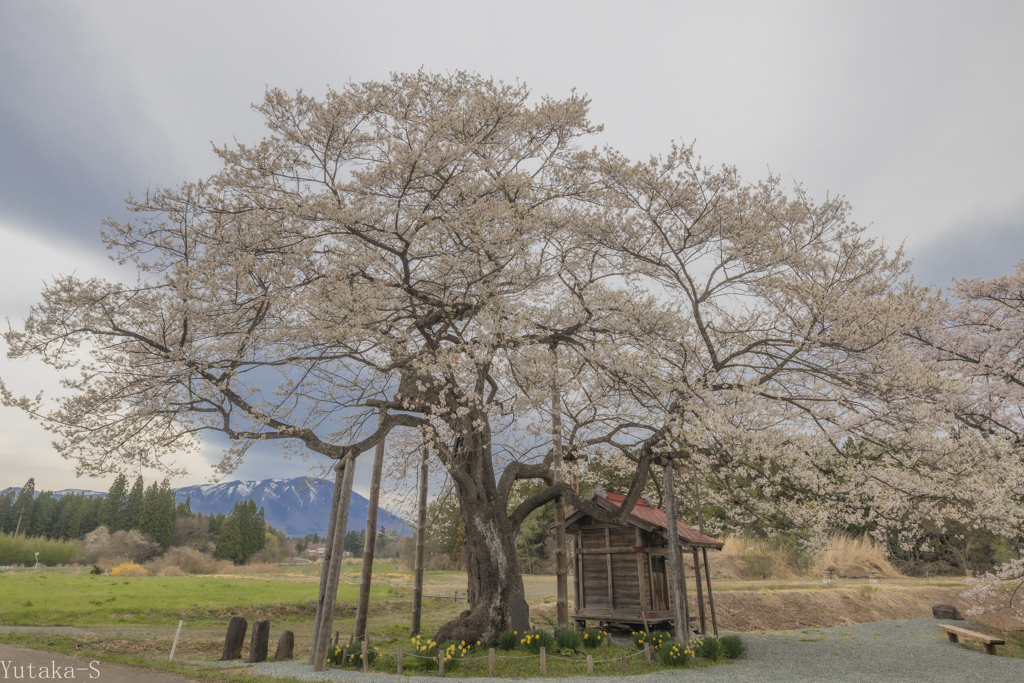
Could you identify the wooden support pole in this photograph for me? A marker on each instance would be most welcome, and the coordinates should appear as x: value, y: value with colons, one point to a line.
x: 490, y: 662
x: 421, y: 546
x: 369, y: 545
x: 622, y: 659
x: 647, y: 653
x: 399, y: 658
x: 677, y: 579
x: 440, y: 664
x: 543, y: 661
x: 561, y: 565
x: 700, y: 594
x: 366, y: 658
x: 325, y: 568
x: 325, y: 609
x: 590, y: 664
x: 711, y: 596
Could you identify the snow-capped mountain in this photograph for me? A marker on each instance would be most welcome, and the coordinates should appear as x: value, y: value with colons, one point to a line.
x: 300, y: 506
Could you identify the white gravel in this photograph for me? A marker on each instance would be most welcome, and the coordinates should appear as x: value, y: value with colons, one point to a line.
x: 905, y: 651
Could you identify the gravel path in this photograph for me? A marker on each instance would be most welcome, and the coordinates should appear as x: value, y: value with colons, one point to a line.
x: 905, y: 651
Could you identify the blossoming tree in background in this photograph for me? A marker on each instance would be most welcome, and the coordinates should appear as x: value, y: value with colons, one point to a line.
x: 980, y: 341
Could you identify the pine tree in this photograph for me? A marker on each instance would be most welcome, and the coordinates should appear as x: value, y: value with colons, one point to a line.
x: 69, y: 522
x: 6, y: 503
x: 185, y: 508
x: 20, y: 518
x: 44, y: 510
x: 89, y: 515
x: 158, y: 513
x: 229, y: 541
x: 242, y: 534
x: 133, y: 507
x: 113, y: 512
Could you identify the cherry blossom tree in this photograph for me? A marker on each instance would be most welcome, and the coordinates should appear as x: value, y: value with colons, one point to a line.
x: 980, y: 341
x: 443, y: 247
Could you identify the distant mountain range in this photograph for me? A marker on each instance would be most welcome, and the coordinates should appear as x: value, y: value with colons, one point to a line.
x: 300, y: 506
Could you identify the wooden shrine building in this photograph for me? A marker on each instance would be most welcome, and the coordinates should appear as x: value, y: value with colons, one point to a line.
x: 620, y: 573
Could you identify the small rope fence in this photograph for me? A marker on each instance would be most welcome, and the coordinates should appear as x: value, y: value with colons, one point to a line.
x: 400, y: 655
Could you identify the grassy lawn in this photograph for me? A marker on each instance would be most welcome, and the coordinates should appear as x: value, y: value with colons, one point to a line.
x: 89, y: 600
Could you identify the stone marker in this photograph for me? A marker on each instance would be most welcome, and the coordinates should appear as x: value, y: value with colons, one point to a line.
x: 260, y: 641
x: 519, y: 617
x: 235, y: 638
x: 947, y: 612
x: 285, y: 647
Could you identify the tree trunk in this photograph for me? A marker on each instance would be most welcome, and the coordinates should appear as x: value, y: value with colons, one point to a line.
x: 363, y: 608
x: 491, y: 562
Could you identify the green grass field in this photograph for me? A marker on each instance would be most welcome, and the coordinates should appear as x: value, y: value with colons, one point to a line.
x: 87, y: 600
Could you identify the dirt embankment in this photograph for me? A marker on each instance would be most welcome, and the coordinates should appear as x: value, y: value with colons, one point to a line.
x: 768, y: 610
x: 777, y: 610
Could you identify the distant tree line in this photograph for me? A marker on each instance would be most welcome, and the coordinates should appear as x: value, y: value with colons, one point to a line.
x: 152, y: 510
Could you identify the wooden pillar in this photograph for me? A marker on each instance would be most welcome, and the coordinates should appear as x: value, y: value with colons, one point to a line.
x: 369, y: 545
x: 638, y: 542
x: 700, y: 594
x: 608, y: 560
x: 561, y: 566
x: 421, y: 547
x: 325, y: 610
x: 339, y: 476
x: 677, y: 579
x: 711, y: 596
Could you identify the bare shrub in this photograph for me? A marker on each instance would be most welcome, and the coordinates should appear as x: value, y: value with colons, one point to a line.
x: 133, y: 546
x: 192, y: 532
x: 186, y: 560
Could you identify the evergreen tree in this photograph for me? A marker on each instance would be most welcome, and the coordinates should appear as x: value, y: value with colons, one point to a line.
x: 133, y: 507
x: 6, y: 504
x: 217, y: 523
x: 69, y: 521
x: 20, y: 518
x: 185, y: 509
x: 242, y: 533
x: 158, y: 513
x: 113, y: 511
x: 89, y: 515
x: 44, y: 515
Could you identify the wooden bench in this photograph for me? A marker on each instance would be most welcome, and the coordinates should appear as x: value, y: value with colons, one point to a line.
x: 954, y: 633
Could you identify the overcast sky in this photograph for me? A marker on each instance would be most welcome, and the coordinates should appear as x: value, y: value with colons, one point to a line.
x: 910, y: 110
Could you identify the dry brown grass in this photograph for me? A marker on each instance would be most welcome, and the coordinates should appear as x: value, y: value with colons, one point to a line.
x: 186, y: 560
x: 746, y: 557
x: 849, y: 556
x: 749, y: 558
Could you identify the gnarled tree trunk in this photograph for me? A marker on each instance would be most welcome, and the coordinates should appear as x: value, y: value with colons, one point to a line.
x: 491, y: 562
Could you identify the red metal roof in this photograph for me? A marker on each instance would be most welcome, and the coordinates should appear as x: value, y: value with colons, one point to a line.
x: 656, y: 518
